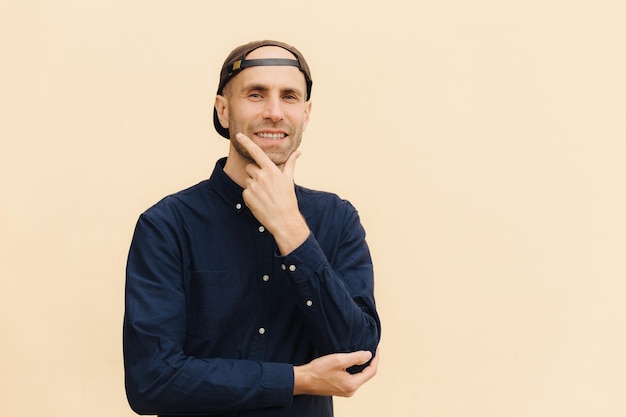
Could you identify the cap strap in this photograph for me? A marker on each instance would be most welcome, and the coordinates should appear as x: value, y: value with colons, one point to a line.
x: 245, y: 63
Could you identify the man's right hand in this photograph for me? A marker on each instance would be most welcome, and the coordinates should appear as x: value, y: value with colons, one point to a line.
x: 327, y: 375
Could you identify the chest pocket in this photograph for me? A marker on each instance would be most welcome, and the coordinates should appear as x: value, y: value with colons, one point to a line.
x: 217, y: 301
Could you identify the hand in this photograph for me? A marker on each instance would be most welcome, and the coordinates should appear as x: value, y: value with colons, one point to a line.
x: 269, y: 193
x: 327, y: 375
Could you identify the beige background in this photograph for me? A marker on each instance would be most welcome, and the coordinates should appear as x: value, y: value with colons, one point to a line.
x: 483, y: 143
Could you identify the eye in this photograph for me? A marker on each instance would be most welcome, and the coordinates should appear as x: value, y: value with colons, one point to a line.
x: 255, y: 96
x: 290, y: 97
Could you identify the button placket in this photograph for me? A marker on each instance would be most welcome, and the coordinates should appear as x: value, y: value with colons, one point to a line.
x: 263, y: 319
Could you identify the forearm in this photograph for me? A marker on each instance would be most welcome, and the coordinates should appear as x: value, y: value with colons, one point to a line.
x: 338, y: 305
x: 160, y: 379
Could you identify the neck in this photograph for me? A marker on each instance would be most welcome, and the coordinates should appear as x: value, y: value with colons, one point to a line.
x: 235, y: 167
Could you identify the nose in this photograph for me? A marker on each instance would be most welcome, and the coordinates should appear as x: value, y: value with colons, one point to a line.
x: 273, y: 110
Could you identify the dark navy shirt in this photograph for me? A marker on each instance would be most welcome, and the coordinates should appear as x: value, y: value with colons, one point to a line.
x: 216, y: 319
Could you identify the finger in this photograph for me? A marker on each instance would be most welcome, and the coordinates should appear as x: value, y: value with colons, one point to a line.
x: 252, y: 170
x: 374, y: 363
x: 358, y: 358
x: 253, y: 149
x: 368, y: 372
x: 290, y: 164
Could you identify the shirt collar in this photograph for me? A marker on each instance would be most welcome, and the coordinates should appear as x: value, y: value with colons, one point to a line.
x: 226, y: 188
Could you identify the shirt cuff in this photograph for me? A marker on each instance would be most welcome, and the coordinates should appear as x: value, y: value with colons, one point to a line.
x: 277, y: 384
x: 308, y: 253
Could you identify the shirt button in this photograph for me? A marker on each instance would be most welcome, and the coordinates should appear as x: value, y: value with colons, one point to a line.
x: 261, y: 229
x: 284, y: 267
x: 292, y: 268
x: 261, y: 330
x: 238, y: 206
x: 309, y: 303
x: 266, y: 278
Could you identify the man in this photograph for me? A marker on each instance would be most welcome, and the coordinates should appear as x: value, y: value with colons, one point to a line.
x: 247, y: 295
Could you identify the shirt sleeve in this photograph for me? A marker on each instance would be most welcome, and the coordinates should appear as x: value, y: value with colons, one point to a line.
x: 160, y: 378
x: 337, y: 297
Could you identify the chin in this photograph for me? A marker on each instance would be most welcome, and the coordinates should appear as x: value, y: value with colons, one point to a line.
x: 279, y: 161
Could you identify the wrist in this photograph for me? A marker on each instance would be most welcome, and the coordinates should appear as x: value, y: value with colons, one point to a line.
x: 299, y: 378
x: 291, y: 235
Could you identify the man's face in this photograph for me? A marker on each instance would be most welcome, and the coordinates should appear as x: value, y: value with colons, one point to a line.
x: 267, y: 104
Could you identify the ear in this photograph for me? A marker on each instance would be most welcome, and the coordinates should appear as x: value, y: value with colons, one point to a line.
x: 221, y: 107
x: 307, y: 112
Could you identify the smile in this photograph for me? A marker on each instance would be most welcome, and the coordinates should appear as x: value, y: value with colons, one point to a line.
x: 271, y: 136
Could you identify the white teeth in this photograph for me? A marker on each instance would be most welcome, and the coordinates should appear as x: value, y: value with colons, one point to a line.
x: 271, y: 135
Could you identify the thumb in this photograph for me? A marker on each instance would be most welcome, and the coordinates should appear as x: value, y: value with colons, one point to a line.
x: 290, y: 164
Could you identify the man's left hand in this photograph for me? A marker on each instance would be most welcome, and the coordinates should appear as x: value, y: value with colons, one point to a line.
x: 270, y: 194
